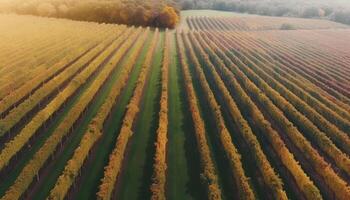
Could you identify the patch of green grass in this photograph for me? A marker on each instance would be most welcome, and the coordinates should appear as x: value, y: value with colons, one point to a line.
x: 90, y: 183
x: 182, y: 156
x: 136, y: 177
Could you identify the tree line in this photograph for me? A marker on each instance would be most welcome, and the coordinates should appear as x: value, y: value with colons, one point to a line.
x: 131, y: 12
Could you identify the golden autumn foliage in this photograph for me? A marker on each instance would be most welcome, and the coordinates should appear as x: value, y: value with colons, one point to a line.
x: 36, y: 163
x: 116, y: 157
x: 323, y: 117
x: 334, y: 182
x: 46, y: 81
x: 15, y: 145
x: 131, y: 12
x: 160, y: 165
x: 168, y: 17
x: 270, y: 177
x: 209, y: 175
x: 302, y: 122
x: 95, y: 129
x: 304, y: 183
x: 245, y: 191
x: 320, y: 104
x: 260, y: 126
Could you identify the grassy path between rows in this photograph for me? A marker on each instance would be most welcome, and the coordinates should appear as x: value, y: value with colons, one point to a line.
x: 90, y: 183
x: 182, y: 155
x: 136, y: 177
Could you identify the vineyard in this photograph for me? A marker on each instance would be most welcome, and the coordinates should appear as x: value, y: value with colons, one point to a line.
x: 223, y: 107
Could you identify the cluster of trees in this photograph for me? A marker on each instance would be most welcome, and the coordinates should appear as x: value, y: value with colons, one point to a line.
x: 32, y: 169
x: 209, y: 175
x: 113, y: 168
x: 131, y: 12
x: 95, y: 129
x: 334, y: 182
x: 337, y: 11
x: 160, y: 166
x: 287, y: 158
x: 244, y: 189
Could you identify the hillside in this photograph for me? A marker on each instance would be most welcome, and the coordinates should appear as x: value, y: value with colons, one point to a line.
x: 226, y: 106
x: 217, y: 20
x: 335, y: 10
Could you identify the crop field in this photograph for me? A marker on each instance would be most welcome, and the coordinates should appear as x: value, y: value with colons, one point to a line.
x: 257, y: 23
x: 223, y: 107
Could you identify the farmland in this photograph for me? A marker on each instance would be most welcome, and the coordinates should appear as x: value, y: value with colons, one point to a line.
x: 225, y: 106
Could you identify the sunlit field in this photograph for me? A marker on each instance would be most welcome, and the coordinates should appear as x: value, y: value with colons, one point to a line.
x: 224, y: 106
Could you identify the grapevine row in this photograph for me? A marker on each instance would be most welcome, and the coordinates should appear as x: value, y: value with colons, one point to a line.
x: 319, y: 56
x: 32, y: 169
x: 95, y: 128
x: 298, y: 86
x: 292, y: 65
x: 160, y: 165
x: 334, y: 182
x: 15, y: 145
x: 209, y: 173
x: 270, y: 177
x: 309, y: 95
x: 338, y: 136
x: 303, y: 123
x: 18, y: 113
x: 304, y: 183
x: 244, y: 188
x: 19, y: 95
x: 314, y: 75
x: 113, y: 168
x: 21, y: 75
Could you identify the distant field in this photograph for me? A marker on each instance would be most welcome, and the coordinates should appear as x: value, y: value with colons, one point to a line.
x: 227, y: 106
x: 211, y: 13
x: 216, y: 20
